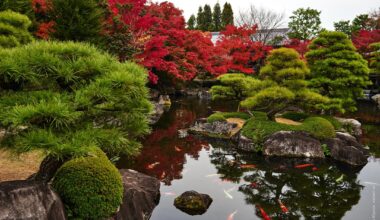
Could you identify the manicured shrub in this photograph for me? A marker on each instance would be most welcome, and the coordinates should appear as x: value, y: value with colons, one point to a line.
x: 14, y: 29
x: 319, y: 127
x: 222, y: 116
x: 90, y: 187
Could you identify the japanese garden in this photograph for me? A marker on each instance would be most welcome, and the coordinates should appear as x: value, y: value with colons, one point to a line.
x: 138, y: 109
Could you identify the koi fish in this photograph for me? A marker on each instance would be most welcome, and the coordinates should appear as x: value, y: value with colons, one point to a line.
x: 153, y: 165
x: 169, y: 193
x: 212, y: 175
x: 231, y: 189
x: 315, y: 169
x: 177, y: 149
x: 247, y: 166
x: 340, y: 179
x: 163, y: 175
x: 228, y: 195
x: 253, y: 185
x: 264, y: 214
x: 304, y: 166
x: 231, y: 216
x: 283, y: 207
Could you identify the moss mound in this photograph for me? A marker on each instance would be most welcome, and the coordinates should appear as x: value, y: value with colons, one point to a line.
x: 90, y: 187
x: 222, y: 116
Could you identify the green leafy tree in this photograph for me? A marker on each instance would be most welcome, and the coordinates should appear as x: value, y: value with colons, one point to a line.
x: 77, y: 20
x: 67, y: 98
x: 343, y: 26
x: 227, y: 15
x: 200, y: 19
x: 14, y: 29
x: 191, y: 23
x: 374, y: 60
x: 338, y: 71
x: 217, y: 17
x: 208, y: 22
x: 305, y: 24
x: 362, y: 22
x: 287, y: 73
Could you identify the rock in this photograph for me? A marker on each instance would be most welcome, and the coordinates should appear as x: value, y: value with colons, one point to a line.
x: 292, y: 144
x: 141, y: 196
x: 351, y: 126
x: 347, y: 149
x: 182, y: 133
x: 164, y: 100
x: 2, y: 134
x: 204, y: 95
x: 157, y: 113
x: 376, y: 98
x: 245, y: 144
x: 23, y: 199
x: 193, y: 203
x: 217, y: 129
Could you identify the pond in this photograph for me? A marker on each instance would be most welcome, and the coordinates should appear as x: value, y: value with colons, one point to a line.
x: 329, y: 191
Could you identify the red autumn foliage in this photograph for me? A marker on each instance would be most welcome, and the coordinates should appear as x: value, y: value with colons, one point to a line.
x: 237, y: 52
x: 41, y: 6
x: 301, y: 46
x: 364, y: 38
x: 45, y: 29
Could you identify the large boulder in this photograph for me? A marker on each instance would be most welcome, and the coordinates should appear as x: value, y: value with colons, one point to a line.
x: 29, y: 200
x: 216, y: 129
x: 193, y: 203
x: 141, y: 196
x: 352, y: 126
x: 376, y: 98
x: 292, y: 144
x: 347, y: 149
x: 245, y: 144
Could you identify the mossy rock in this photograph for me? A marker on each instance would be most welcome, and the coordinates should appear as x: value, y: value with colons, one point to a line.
x: 193, y: 203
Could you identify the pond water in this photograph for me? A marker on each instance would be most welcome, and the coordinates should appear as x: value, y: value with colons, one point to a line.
x: 329, y: 191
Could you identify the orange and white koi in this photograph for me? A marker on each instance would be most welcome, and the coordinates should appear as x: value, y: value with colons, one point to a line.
x: 231, y: 216
x: 228, y: 195
x: 247, y: 166
x: 177, y: 149
x: 264, y: 214
x: 283, y: 207
x: 304, y: 166
x: 153, y: 165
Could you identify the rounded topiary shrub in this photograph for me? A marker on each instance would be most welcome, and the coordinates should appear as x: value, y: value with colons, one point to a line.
x: 319, y: 127
x: 90, y: 187
x: 14, y: 29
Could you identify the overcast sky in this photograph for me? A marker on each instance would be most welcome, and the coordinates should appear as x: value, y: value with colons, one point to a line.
x: 332, y: 10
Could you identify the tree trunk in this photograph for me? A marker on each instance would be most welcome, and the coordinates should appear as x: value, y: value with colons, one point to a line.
x: 48, y: 168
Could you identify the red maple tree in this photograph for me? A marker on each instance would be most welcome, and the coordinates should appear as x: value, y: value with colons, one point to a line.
x: 364, y: 38
x: 301, y: 46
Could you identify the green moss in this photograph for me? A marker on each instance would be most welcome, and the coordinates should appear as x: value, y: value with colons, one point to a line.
x: 222, y: 116
x: 295, y: 116
x: 258, y: 128
x: 90, y: 187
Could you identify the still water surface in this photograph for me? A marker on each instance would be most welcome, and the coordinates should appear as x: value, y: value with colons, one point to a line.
x: 330, y: 191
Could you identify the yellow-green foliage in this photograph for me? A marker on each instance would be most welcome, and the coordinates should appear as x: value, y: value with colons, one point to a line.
x: 338, y: 71
x: 222, y: 116
x: 90, y: 187
x: 285, y: 85
x: 14, y: 29
x: 374, y: 62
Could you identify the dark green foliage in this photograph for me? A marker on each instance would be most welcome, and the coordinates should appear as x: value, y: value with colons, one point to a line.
x: 284, y: 76
x: 362, y: 22
x: 260, y: 127
x: 207, y: 18
x: 305, y: 24
x: 222, y: 116
x: 66, y: 98
x: 14, y: 29
x: 295, y: 116
x: 77, y: 20
x: 90, y: 187
x: 201, y: 19
x: 343, y: 26
x: 227, y: 15
x: 191, y: 23
x: 338, y: 71
x: 217, y: 17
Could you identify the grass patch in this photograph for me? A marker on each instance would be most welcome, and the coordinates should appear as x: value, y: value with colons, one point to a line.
x: 222, y: 116
x: 259, y: 127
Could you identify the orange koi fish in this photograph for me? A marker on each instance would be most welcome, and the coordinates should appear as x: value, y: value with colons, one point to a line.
x: 163, y: 175
x: 315, y: 169
x: 153, y: 165
x: 264, y: 214
x: 283, y: 207
x: 177, y: 149
x: 304, y: 166
x: 247, y: 166
x: 231, y: 216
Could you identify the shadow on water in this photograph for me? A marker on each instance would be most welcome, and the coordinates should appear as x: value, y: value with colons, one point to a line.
x: 326, y: 190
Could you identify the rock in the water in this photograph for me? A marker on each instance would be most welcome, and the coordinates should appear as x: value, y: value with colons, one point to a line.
x: 352, y: 126
x: 246, y: 144
x: 182, y: 133
x: 376, y: 98
x: 216, y: 129
x: 141, y: 196
x: 347, y: 149
x: 158, y: 110
x: 204, y: 94
x: 29, y: 200
x: 164, y: 100
x: 292, y: 144
x: 193, y: 203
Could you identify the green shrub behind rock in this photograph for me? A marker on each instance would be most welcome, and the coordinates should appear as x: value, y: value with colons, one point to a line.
x: 14, y: 29
x: 90, y: 187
